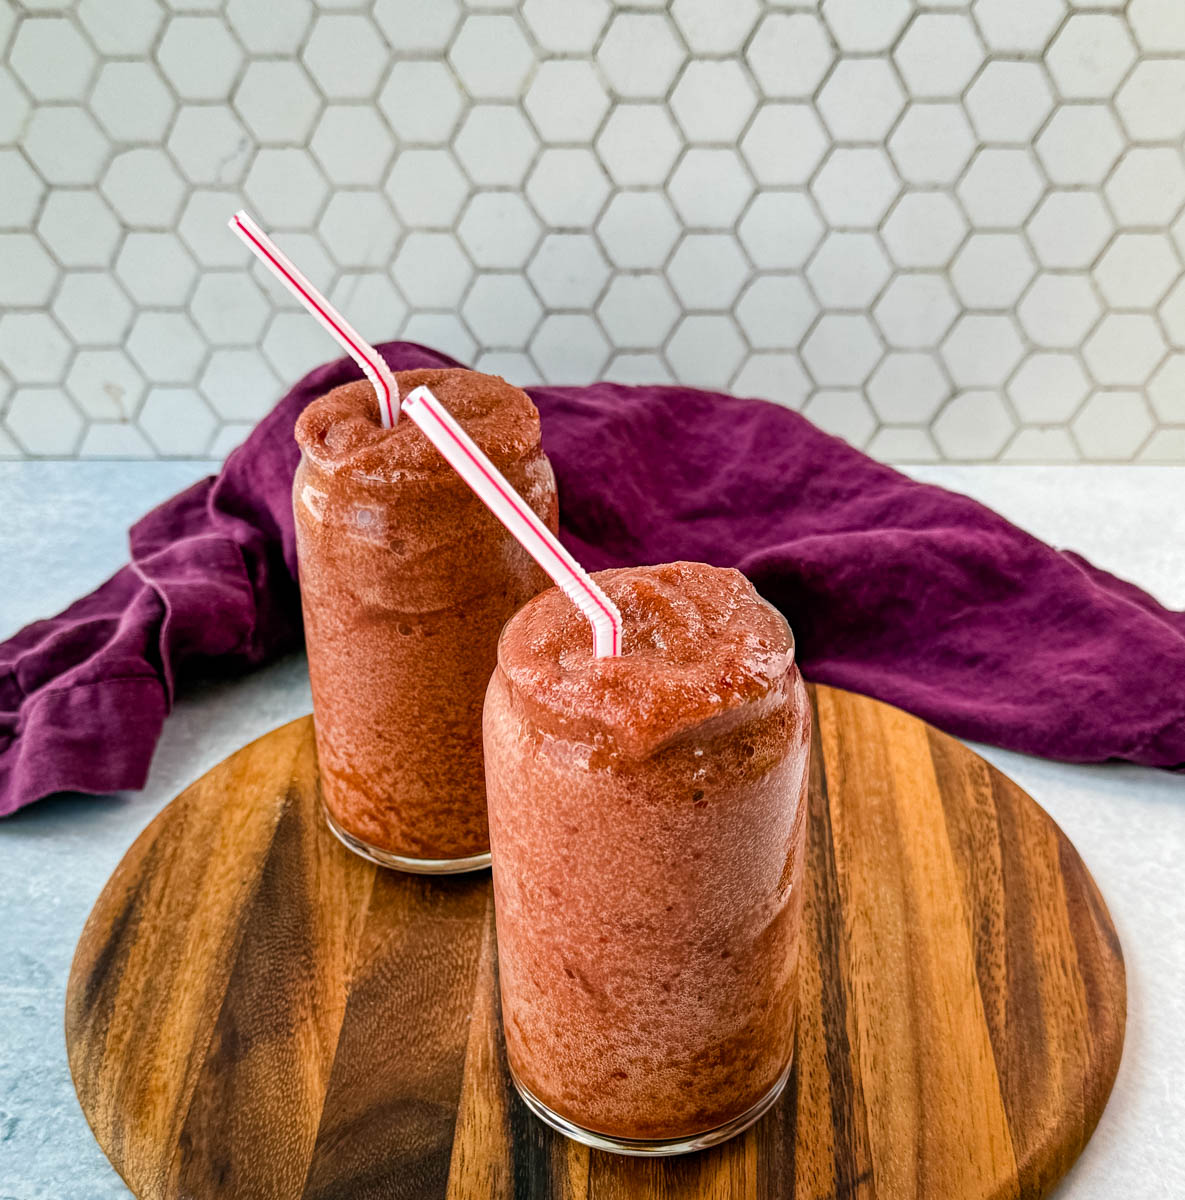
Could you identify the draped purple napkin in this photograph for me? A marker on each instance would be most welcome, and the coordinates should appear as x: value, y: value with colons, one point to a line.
x: 903, y: 591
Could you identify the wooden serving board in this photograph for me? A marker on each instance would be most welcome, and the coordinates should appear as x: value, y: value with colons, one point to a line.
x: 254, y: 1012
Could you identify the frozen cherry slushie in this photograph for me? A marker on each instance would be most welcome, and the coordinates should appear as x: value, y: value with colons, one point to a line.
x: 406, y: 580
x: 647, y: 818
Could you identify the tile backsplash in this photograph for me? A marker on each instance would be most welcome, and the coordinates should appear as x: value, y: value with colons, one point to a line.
x: 941, y: 230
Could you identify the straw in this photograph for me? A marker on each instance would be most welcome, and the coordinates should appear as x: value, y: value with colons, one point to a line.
x: 365, y: 355
x: 493, y: 489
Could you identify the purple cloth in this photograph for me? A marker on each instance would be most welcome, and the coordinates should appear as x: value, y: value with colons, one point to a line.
x: 896, y: 589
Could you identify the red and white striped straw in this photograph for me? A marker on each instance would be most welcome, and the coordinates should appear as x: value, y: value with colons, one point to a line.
x: 493, y: 489
x: 365, y: 355
x: 458, y: 448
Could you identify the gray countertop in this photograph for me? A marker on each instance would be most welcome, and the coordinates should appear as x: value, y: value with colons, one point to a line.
x: 64, y: 531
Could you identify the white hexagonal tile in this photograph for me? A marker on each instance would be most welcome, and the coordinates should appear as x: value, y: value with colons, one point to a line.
x: 352, y: 144
x: 21, y: 193
x: 566, y: 100
x: 29, y: 273
x: 915, y: 311
x: 1080, y: 144
x: 427, y: 188
x: 842, y: 350
x: 91, y: 307
x: 200, y: 57
x: 842, y: 413
x: 705, y: 351
x: 780, y: 230
x: 495, y: 145
x: 773, y: 376
x: 443, y: 331
x: 638, y: 311
x: 908, y: 387
x: 431, y: 269
x: 1001, y: 187
x: 346, y: 55
x: 640, y: 368
x: 855, y: 186
x: 1151, y: 102
x: 567, y: 187
x: 1058, y: 310
x: 982, y: 350
x: 1018, y: 26
x: 1164, y: 446
x: 992, y: 270
x: 79, y: 228
x: 376, y: 308
x: 277, y: 101
x: 902, y: 444
x: 938, y: 54
x: 268, y: 28
x: 1090, y: 55
x: 1009, y: 101
x: 65, y: 145
x: 359, y: 229
x: 499, y: 229
x: 849, y: 270
x: 239, y: 385
x: 776, y: 311
x: 713, y: 100
x: 421, y: 101
x: 1159, y: 25
x: 638, y: 229
x: 166, y: 346
x: 639, y: 144
x: 155, y: 268
x: 710, y: 187
x: 294, y: 344
x: 784, y: 144
x: 52, y: 58
x: 1069, y: 229
x: 707, y: 270
x: 131, y: 102
x: 209, y: 144
x: 709, y: 27
x: 305, y: 249
x: 416, y: 26
x: 33, y: 347
x: 14, y: 106
x: 569, y: 348
x: 865, y: 25
x: 491, y: 56
x: 1124, y: 349
x: 105, y: 384
x: 640, y: 55
x: 1137, y: 269
x: 1040, y: 446
x: 43, y: 421
x: 975, y: 425
x: 177, y: 422
x: 144, y: 188
x: 566, y: 26
x: 512, y: 365
x: 229, y: 308
x: 568, y: 270
x: 924, y: 229
x: 1048, y: 387
x: 1172, y: 314
x: 932, y: 144
x: 1166, y: 390
x: 121, y: 26
x: 1112, y: 425
x: 285, y: 187
x: 861, y: 100
x: 114, y: 439
x: 1148, y: 186
x: 203, y: 229
x: 790, y: 54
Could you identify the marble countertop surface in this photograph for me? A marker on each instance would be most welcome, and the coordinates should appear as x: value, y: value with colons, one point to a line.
x: 64, y: 531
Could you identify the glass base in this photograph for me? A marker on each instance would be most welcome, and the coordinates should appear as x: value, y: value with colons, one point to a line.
x: 654, y: 1147
x: 398, y: 862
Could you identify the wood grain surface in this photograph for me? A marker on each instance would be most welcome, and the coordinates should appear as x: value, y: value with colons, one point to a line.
x: 254, y: 1012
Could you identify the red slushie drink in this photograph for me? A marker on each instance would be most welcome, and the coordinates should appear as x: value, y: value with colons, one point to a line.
x: 647, y: 818
x: 406, y: 579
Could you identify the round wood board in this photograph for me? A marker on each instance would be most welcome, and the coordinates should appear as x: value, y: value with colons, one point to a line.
x: 255, y: 1012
